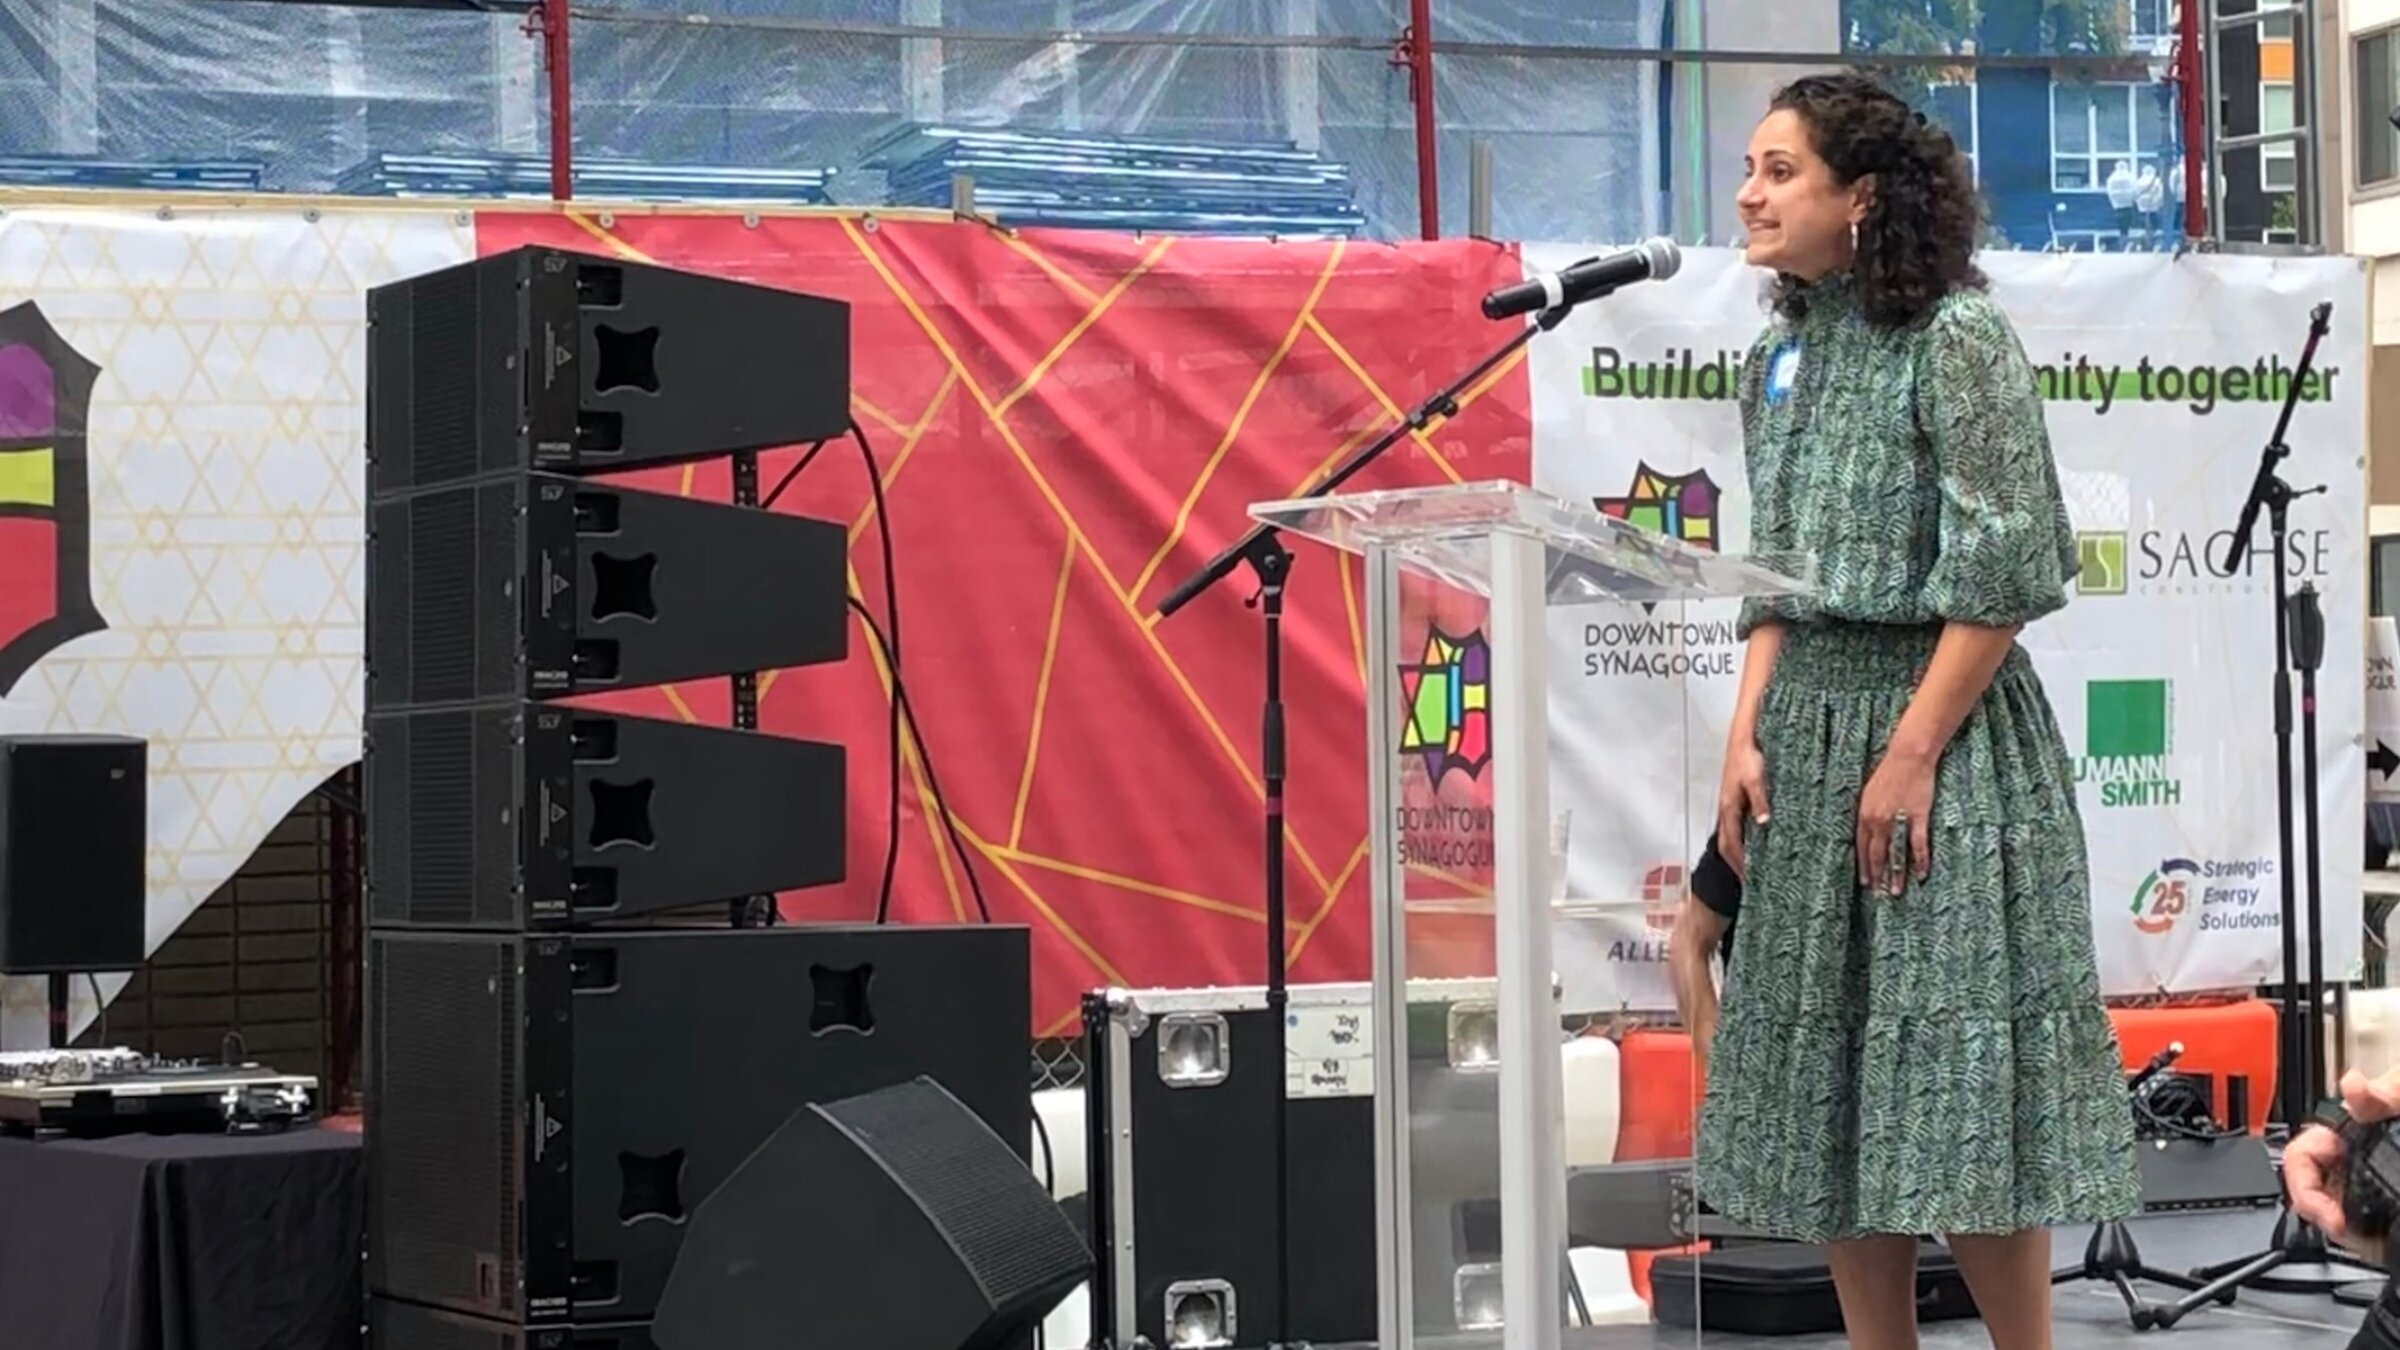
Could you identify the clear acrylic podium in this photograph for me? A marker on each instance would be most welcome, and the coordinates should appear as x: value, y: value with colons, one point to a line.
x: 1482, y: 603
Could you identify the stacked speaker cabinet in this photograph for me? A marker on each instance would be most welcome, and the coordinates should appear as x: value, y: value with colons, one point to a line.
x: 564, y: 1057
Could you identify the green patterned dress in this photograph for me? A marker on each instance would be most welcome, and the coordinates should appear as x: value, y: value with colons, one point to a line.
x: 1941, y: 1062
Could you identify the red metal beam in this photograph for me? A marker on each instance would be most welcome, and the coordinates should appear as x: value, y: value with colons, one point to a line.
x: 553, y: 18
x: 1417, y: 44
x: 2192, y: 93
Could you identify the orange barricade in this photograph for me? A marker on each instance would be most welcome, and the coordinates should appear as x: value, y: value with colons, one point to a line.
x: 2223, y: 1040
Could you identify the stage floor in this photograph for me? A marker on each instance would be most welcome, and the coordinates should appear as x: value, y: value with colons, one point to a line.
x: 2089, y: 1314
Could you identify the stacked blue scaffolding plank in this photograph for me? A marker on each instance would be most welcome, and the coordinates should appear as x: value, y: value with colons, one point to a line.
x: 396, y: 175
x: 126, y: 175
x: 1123, y: 182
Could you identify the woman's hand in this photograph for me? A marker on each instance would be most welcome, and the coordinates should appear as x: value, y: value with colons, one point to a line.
x: 1895, y: 812
x: 1742, y: 795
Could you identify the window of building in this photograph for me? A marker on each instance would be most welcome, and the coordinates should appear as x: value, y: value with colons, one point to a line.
x: 2278, y: 161
x: 2093, y: 127
x: 2276, y: 27
x: 2150, y: 19
x: 2378, y: 95
x: 1954, y: 106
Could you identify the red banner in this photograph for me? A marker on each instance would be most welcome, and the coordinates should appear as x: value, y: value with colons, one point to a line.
x: 1069, y: 423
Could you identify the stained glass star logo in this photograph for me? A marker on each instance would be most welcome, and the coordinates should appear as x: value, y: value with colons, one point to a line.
x: 1446, y: 705
x: 1679, y: 506
x: 45, y: 510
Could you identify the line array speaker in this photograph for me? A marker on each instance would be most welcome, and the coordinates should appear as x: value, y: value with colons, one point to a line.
x: 548, y: 1110
x: 544, y: 815
x: 540, y: 358
x: 532, y: 585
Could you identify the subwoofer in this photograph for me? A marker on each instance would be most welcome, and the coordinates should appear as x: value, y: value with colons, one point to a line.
x: 893, y: 1220
x: 547, y: 1113
x: 408, y: 1326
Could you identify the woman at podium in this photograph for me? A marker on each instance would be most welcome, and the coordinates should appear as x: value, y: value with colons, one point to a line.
x: 1912, y: 1039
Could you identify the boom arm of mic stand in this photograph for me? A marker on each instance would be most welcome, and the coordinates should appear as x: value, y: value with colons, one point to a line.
x: 1443, y: 404
x: 2265, y: 487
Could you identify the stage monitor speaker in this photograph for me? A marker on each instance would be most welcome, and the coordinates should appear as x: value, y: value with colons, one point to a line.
x: 541, y: 358
x: 540, y: 816
x: 392, y: 1325
x: 74, y: 830
x: 893, y: 1220
x: 544, y: 1113
x: 536, y: 585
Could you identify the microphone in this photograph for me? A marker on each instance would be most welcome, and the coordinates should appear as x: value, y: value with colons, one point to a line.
x: 2157, y: 1065
x: 1650, y: 260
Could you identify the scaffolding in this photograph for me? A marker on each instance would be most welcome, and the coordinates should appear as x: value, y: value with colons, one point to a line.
x: 2203, y: 29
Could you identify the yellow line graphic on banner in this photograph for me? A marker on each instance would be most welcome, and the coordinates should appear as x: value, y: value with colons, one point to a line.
x: 1325, y: 905
x: 1138, y: 886
x: 1041, y: 696
x: 1000, y: 859
x: 1082, y: 326
x: 1066, y: 283
x: 1233, y: 429
x: 1422, y: 438
x: 912, y: 433
x: 28, y: 478
x: 608, y: 237
x: 1074, y: 530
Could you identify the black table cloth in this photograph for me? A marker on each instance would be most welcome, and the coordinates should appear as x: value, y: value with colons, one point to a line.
x: 181, y: 1242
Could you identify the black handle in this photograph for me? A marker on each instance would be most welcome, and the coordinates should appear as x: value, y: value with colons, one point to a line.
x: 2308, y: 627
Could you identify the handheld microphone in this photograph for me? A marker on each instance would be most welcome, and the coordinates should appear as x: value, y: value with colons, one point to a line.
x: 2157, y: 1065
x: 1650, y: 260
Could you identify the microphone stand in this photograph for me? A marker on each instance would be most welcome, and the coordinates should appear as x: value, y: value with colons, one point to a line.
x: 2297, y: 1258
x: 1270, y: 562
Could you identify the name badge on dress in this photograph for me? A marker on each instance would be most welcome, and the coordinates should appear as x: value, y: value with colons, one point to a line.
x: 1783, y: 369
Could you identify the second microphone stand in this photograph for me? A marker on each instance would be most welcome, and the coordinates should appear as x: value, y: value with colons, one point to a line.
x: 1271, y: 564
x: 2297, y: 1258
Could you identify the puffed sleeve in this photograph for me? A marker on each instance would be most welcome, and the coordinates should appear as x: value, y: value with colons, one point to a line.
x: 2006, y: 548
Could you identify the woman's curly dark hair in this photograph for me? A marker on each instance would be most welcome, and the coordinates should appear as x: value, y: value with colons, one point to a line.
x: 1917, y: 242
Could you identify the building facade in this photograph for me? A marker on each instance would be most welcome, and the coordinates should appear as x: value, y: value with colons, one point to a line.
x: 2090, y: 156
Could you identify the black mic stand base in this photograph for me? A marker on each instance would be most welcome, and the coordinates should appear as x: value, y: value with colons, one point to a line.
x: 2113, y: 1256
x: 2296, y: 1261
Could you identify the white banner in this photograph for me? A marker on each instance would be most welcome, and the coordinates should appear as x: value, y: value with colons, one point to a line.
x: 188, y: 569
x: 2162, y: 380
x: 2383, y: 711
